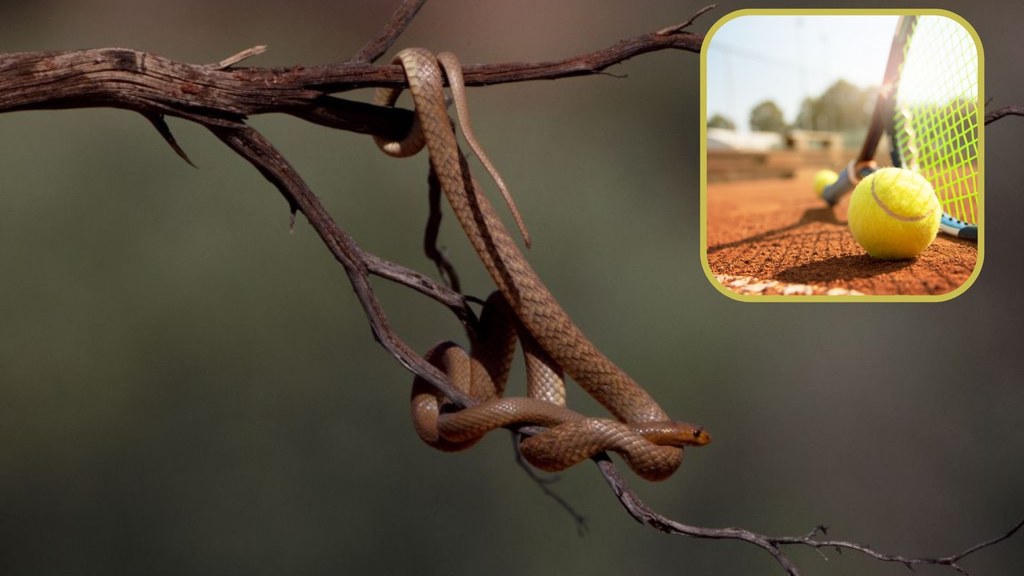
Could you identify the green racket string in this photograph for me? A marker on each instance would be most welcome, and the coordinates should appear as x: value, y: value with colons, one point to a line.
x: 936, y: 111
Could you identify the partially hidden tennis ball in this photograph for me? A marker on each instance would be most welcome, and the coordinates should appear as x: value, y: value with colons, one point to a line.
x: 894, y: 214
x: 823, y: 180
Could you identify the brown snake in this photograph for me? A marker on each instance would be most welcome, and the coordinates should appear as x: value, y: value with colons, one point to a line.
x: 644, y: 434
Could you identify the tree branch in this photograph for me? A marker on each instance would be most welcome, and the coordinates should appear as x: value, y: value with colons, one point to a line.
x: 251, y: 145
x: 220, y: 97
x: 129, y: 79
x: 644, y: 514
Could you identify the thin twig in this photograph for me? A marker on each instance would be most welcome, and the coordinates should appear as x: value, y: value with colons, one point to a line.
x: 400, y: 20
x: 1004, y: 111
x: 454, y: 301
x: 158, y: 122
x: 952, y: 561
x: 236, y: 58
x: 430, y: 235
x: 688, y: 23
x: 544, y: 483
x: 583, y: 65
x: 644, y: 514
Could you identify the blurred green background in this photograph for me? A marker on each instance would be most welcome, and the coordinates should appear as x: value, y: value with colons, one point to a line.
x: 188, y: 387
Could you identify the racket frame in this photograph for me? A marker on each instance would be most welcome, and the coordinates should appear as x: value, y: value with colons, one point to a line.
x: 882, y: 121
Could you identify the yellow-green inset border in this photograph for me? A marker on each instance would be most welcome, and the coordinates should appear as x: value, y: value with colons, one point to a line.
x: 709, y: 38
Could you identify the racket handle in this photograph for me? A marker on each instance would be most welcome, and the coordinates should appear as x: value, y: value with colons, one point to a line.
x: 848, y: 178
x: 958, y: 228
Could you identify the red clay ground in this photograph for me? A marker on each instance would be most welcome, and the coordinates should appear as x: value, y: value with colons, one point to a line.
x: 775, y: 237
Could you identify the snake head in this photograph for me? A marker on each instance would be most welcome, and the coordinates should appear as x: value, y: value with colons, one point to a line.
x: 686, y: 434
x: 671, y: 433
x: 699, y: 436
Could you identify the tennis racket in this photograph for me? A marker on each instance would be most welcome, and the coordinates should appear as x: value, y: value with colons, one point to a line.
x: 929, y: 104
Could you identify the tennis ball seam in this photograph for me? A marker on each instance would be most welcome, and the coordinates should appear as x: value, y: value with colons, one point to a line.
x: 890, y: 212
x: 878, y: 214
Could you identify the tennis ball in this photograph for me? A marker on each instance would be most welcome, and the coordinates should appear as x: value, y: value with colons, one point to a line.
x: 894, y: 214
x: 823, y: 180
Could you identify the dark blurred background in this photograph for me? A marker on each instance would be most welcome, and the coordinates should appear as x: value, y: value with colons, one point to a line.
x: 188, y: 387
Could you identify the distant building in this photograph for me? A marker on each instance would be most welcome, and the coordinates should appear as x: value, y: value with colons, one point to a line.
x: 724, y: 139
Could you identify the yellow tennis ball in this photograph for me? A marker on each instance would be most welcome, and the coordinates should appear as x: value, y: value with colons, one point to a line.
x: 894, y: 214
x: 823, y: 180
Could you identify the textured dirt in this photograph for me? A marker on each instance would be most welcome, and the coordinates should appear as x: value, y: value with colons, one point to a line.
x: 774, y: 237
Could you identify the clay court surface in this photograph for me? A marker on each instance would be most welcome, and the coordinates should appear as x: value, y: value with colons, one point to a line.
x: 775, y: 237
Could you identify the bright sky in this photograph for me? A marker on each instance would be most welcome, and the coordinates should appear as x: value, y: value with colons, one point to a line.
x: 788, y: 58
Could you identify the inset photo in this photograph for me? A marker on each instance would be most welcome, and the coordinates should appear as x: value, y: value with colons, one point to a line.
x: 843, y: 155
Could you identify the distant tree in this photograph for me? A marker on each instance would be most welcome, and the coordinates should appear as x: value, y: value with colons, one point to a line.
x: 842, y: 107
x: 767, y: 117
x: 719, y: 121
x: 805, y: 117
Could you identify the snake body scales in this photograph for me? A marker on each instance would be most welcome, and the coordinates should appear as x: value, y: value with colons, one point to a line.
x: 643, y: 434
